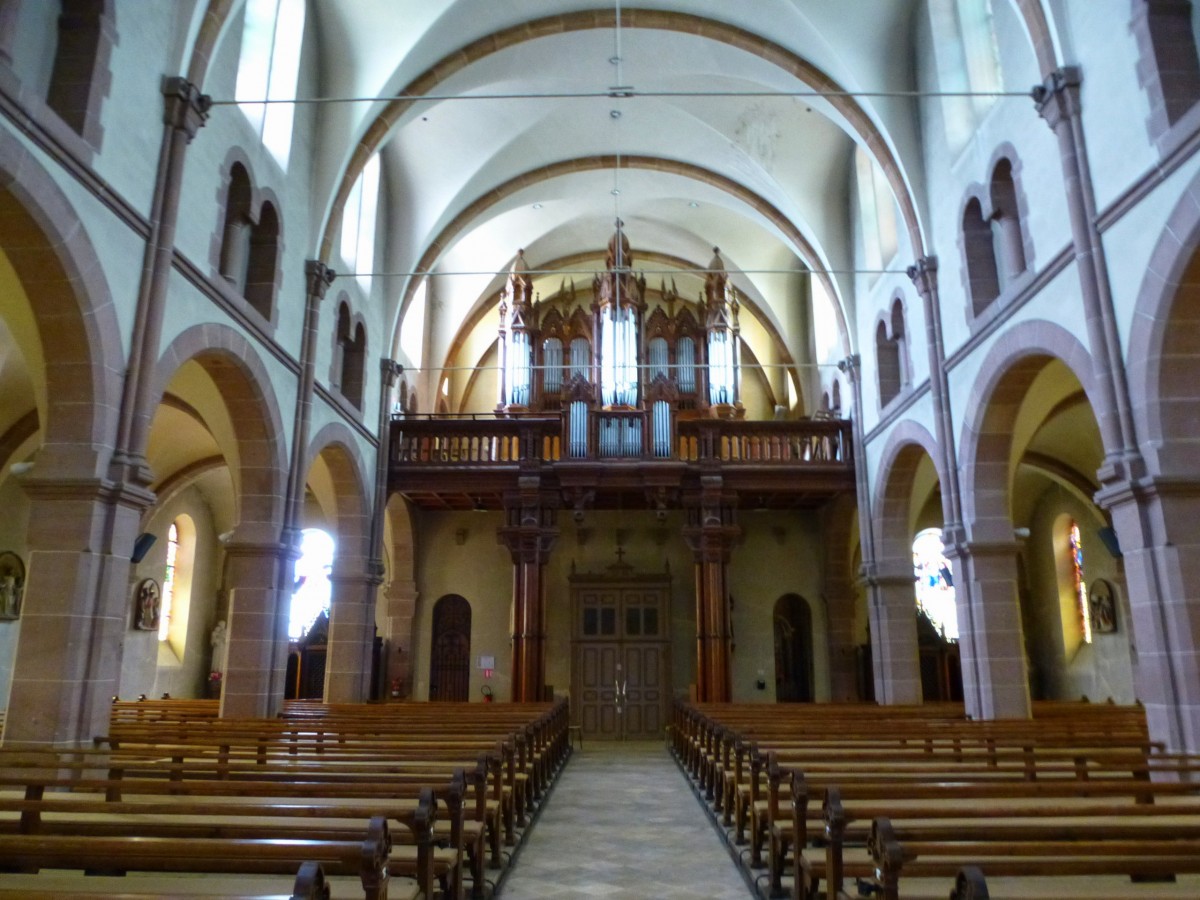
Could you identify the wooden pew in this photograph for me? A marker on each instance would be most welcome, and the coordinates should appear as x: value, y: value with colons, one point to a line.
x: 310, y: 884
x: 1042, y: 811
x: 120, y: 801
x: 1049, y: 851
x: 365, y: 857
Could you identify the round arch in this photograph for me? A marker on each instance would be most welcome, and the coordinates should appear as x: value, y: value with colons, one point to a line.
x: 908, y: 444
x: 245, y: 385
x: 1004, y: 379
x: 41, y: 237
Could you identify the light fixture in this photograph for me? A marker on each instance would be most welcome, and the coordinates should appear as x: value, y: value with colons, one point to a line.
x: 693, y: 204
x: 537, y: 206
x: 479, y: 507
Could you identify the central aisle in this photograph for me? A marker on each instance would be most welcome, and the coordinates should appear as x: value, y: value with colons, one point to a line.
x: 622, y: 822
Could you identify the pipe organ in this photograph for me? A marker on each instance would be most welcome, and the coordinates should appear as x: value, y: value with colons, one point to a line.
x: 621, y: 365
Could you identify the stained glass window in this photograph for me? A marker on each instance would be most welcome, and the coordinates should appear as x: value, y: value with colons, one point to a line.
x: 935, y: 582
x: 311, y: 597
x: 1081, y: 595
x: 168, y: 586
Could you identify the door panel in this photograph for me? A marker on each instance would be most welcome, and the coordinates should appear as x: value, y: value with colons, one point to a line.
x: 621, y: 625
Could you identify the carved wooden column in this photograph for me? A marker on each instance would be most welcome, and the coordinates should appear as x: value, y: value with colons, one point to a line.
x: 711, y: 533
x: 529, y: 533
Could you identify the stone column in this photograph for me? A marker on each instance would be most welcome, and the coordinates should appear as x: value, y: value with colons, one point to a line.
x: 529, y: 534
x: 924, y: 277
x: 75, y: 610
x: 711, y: 533
x: 1160, y: 546
x: 317, y: 278
x: 256, y: 661
x: 997, y: 647
x: 401, y: 599
x: 185, y: 111
x: 1058, y: 102
x: 351, y: 636
x: 895, y: 655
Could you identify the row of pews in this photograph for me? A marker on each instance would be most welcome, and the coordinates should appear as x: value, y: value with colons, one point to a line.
x: 401, y: 800
x: 841, y: 800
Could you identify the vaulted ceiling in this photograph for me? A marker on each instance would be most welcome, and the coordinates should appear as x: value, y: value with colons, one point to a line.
x: 536, y: 123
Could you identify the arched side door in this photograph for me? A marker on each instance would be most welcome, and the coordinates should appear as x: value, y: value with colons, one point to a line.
x: 450, y: 656
x: 793, y: 650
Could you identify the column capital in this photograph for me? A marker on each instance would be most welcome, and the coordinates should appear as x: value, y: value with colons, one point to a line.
x: 318, y: 277
x: 850, y: 366
x: 186, y: 108
x: 1057, y: 98
x: 390, y: 370
x: 923, y: 274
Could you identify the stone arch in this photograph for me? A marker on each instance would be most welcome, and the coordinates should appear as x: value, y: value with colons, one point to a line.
x: 996, y: 397
x: 859, y: 121
x: 906, y: 445
x: 245, y: 385
x: 335, y: 444
x: 40, y: 234
x: 1164, y: 343
x: 1042, y: 36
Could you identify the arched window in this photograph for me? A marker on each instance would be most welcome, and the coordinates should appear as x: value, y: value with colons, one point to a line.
x: 967, y: 61
x: 81, y: 78
x: 358, y: 223
x: 1082, y: 607
x: 311, y: 592
x: 887, y: 365
x: 1008, y: 245
x: 168, y: 585
x: 982, y: 276
x: 263, y: 264
x: 177, y: 584
x: 935, y: 582
x: 1168, y: 66
x: 351, y: 356
x: 235, y: 232
x: 268, y: 68
x: 877, y: 212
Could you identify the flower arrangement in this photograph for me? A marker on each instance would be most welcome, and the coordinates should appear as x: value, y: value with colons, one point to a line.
x: 214, y: 677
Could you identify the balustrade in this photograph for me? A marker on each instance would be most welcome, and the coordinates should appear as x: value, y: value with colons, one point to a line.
x: 615, y: 434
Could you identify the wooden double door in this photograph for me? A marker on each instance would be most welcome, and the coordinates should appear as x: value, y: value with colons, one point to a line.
x: 620, y: 684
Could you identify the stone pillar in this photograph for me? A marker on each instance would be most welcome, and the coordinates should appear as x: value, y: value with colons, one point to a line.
x: 924, y: 277
x: 895, y: 655
x: 76, y: 608
x: 401, y: 599
x: 256, y: 662
x: 351, y: 637
x: 1058, y: 102
x: 995, y: 655
x: 317, y: 278
x: 185, y: 111
x: 1156, y: 521
x: 529, y: 534
x: 389, y: 371
x: 711, y: 533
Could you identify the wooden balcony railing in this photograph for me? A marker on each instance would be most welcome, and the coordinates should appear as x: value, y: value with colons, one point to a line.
x: 614, y: 435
